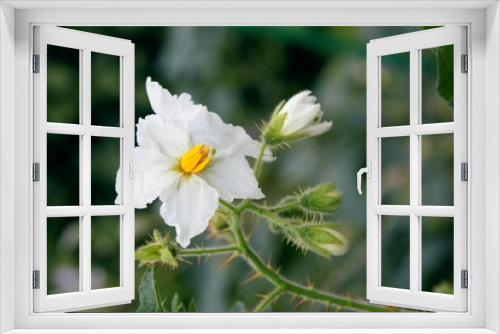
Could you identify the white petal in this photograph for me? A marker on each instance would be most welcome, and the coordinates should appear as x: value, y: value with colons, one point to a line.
x: 157, y: 95
x: 232, y: 177
x: 227, y: 139
x: 188, y: 206
x: 178, y: 109
x: 315, y: 130
x: 299, y: 118
x: 118, y: 187
x: 159, y: 174
x: 156, y: 133
x: 297, y: 98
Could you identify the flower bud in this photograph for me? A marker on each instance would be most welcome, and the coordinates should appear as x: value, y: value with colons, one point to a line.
x: 298, y: 118
x: 160, y: 250
x: 322, y: 198
x: 324, y: 240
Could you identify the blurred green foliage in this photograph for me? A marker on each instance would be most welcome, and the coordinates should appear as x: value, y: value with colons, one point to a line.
x: 242, y: 73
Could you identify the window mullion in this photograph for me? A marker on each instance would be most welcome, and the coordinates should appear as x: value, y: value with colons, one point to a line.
x: 414, y: 173
x: 85, y: 162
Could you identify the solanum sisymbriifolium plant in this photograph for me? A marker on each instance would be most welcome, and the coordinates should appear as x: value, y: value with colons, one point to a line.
x: 206, y: 174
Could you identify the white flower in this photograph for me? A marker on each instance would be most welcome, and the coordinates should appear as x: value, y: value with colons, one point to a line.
x: 180, y: 110
x: 190, y: 159
x: 303, y: 116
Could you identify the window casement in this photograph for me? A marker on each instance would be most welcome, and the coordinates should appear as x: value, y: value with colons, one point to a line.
x: 404, y: 145
x: 84, y: 211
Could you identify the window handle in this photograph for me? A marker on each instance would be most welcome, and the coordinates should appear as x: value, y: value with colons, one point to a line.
x: 133, y: 170
x: 368, y: 171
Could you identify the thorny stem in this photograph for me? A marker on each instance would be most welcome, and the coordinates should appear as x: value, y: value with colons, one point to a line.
x: 271, y: 216
x: 267, y: 300
x: 208, y: 251
x: 292, y: 287
x: 282, y: 285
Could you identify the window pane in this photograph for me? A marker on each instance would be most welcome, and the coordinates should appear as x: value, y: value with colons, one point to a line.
x: 437, y: 254
x: 63, y: 255
x: 395, y: 233
x: 437, y: 84
x: 395, y: 171
x: 105, y: 252
x: 437, y: 169
x: 105, y: 95
x: 395, y: 89
x: 63, y: 170
x: 63, y: 85
x: 105, y: 163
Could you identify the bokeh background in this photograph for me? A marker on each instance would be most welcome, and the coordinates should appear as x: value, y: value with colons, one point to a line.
x: 242, y: 73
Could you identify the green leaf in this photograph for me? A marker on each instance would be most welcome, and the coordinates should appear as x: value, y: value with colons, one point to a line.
x: 148, y: 293
x: 444, y: 56
x: 176, y: 304
x: 164, y: 306
x: 192, y: 306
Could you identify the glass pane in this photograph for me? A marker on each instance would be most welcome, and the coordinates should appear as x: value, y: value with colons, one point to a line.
x: 63, y: 170
x: 437, y: 169
x: 395, y: 235
x: 437, y: 84
x: 105, y: 163
x: 63, y: 85
x: 395, y: 171
x: 105, y: 252
x: 63, y: 255
x: 395, y: 89
x: 437, y: 254
x: 105, y: 91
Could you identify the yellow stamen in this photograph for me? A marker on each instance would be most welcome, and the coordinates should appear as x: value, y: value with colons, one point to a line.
x: 195, y: 160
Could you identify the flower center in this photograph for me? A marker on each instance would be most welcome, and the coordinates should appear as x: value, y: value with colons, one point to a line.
x: 195, y: 160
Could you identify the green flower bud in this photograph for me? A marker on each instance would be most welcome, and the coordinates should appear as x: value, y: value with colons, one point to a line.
x: 160, y: 250
x: 323, y: 198
x: 272, y: 132
x: 324, y: 240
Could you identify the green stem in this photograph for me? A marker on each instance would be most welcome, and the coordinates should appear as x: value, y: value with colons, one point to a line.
x: 271, y: 216
x: 267, y: 300
x: 285, y: 285
x: 208, y: 251
x: 258, y: 163
x: 285, y: 207
x: 228, y: 205
x: 236, y: 209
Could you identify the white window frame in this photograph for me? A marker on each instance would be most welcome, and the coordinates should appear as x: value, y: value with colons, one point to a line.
x: 16, y: 21
x: 85, y: 43
x: 414, y: 43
